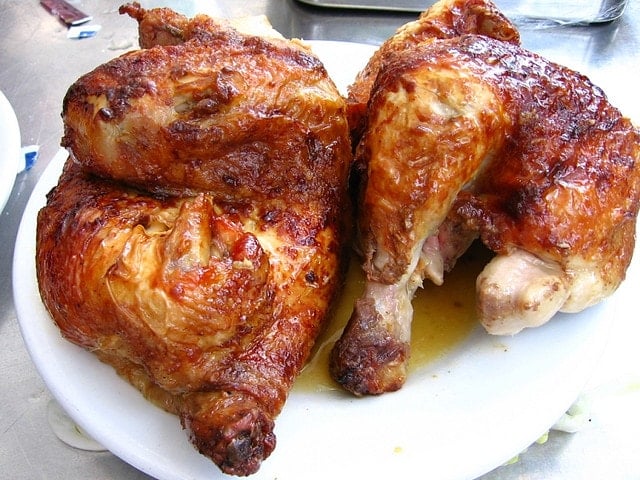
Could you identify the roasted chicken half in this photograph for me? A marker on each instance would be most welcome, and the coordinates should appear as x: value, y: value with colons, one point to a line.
x: 196, y: 238
x: 476, y: 137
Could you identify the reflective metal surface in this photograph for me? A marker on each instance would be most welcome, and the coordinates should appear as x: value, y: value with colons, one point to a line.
x: 37, y: 64
x: 568, y: 11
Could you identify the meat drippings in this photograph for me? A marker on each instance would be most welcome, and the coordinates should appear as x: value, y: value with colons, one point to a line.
x: 444, y: 316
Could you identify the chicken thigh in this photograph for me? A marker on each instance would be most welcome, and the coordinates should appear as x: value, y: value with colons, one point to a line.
x: 197, y: 237
x: 472, y: 136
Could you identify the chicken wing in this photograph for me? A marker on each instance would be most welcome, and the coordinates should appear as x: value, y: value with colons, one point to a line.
x: 473, y: 136
x: 197, y: 237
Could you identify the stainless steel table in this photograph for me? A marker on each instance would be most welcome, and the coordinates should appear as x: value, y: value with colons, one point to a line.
x: 38, y: 63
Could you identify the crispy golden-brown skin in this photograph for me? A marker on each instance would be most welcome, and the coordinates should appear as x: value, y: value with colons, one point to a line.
x: 196, y: 238
x: 444, y: 19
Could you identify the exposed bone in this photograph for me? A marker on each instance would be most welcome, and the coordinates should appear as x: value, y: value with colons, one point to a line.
x: 517, y: 291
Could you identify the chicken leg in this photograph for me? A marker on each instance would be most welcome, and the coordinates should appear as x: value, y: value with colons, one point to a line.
x: 479, y: 136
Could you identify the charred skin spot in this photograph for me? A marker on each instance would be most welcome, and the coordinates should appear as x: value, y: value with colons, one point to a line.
x: 368, y: 360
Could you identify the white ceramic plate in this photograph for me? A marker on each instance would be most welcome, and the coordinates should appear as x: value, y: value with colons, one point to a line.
x: 9, y: 149
x: 457, y: 418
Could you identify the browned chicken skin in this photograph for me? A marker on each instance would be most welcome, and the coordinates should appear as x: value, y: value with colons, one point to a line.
x: 197, y: 236
x: 445, y: 19
x: 236, y: 114
x: 472, y: 136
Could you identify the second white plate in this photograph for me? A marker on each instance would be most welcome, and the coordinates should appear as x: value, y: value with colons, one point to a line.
x: 10, y: 145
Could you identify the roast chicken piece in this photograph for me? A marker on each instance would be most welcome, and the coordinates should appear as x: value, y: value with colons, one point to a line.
x: 380, y: 346
x: 472, y: 136
x: 214, y: 113
x: 197, y: 237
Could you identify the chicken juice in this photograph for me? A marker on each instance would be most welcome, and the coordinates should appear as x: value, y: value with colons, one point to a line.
x: 443, y: 317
